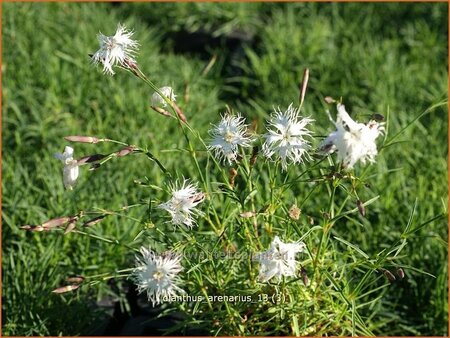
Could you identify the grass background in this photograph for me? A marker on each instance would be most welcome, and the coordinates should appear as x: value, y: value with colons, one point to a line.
x: 383, y: 58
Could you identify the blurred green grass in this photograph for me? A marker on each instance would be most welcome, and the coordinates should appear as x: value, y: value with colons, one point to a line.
x: 384, y: 58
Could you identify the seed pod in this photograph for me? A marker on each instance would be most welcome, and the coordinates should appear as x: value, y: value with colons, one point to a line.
x: 70, y: 227
x: 82, y: 139
x: 361, y: 208
x: 93, y: 221
x: 294, y: 212
x: 303, y: 86
x: 400, y: 273
x: 55, y: 222
x: 233, y: 173
x: 389, y: 275
x: 66, y: 288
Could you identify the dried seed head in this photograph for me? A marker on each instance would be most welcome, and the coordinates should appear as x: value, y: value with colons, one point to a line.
x: 254, y: 155
x: 70, y: 227
x: 66, y: 288
x: 361, y: 208
x: 400, y: 273
x: 83, y: 139
x: 294, y: 212
x: 93, y: 221
x: 303, y: 86
x: 233, y: 173
x: 55, y: 222
x: 389, y: 275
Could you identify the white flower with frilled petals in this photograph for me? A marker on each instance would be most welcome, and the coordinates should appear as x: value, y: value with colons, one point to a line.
x: 228, y: 135
x: 182, y: 204
x: 352, y: 140
x: 159, y: 100
x: 157, y: 275
x: 286, y: 138
x: 71, y: 170
x: 279, y: 260
x: 115, y: 50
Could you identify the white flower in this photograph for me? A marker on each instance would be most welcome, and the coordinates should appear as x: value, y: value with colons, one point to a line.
x: 286, y: 140
x: 352, y: 140
x: 71, y: 170
x: 279, y: 260
x: 230, y: 133
x: 159, y: 100
x: 115, y: 50
x: 157, y: 275
x: 182, y: 204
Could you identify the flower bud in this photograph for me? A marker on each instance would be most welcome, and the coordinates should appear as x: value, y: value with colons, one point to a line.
x: 179, y: 112
x: 233, y: 173
x: 55, y: 222
x: 389, y: 275
x: 82, y: 139
x: 90, y: 159
x: 329, y: 100
x: 75, y: 279
x: 125, y: 151
x: 304, y: 276
x: 361, y: 208
x: 93, y: 221
x: 255, y: 151
x: 161, y: 111
x: 70, y: 227
x: 67, y: 288
x: 247, y: 214
x: 400, y: 273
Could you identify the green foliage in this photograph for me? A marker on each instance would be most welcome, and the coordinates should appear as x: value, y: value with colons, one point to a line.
x: 375, y: 56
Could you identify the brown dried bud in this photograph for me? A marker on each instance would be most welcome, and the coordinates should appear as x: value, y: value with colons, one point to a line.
x: 90, y: 159
x: 255, y: 151
x: 389, y: 275
x: 55, y: 222
x: 75, y: 279
x: 66, y: 288
x: 377, y: 117
x: 303, y: 86
x: 400, y: 273
x: 233, y: 173
x: 294, y: 212
x: 70, y: 227
x: 93, y: 221
x: 247, y: 214
x: 304, y: 276
x: 361, y: 208
x: 329, y: 100
x: 125, y: 151
x: 83, y: 139
x: 179, y: 112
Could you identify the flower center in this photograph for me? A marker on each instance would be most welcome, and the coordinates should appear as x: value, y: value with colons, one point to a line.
x: 228, y: 137
x: 158, y: 275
